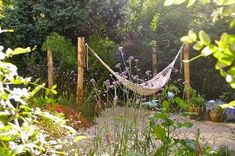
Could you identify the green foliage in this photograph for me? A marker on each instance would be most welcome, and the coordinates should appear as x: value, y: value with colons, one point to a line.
x: 68, y: 99
x: 106, y: 49
x: 21, y: 131
x: 162, y: 131
x: 63, y: 50
x: 222, y: 49
x: 41, y: 101
x: 195, y: 99
x: 5, y: 152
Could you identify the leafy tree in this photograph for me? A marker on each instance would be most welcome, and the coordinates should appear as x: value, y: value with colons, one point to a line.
x: 222, y: 49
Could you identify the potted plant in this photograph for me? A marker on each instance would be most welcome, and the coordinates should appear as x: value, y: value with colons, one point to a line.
x: 215, y: 112
x: 196, y: 106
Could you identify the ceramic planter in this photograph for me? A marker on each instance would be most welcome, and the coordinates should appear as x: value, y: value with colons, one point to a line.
x: 199, y: 113
x: 215, y: 116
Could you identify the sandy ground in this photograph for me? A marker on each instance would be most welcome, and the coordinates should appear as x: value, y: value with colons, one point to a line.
x: 110, y: 121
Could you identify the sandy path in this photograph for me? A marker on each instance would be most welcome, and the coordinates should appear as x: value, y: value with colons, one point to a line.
x: 110, y: 121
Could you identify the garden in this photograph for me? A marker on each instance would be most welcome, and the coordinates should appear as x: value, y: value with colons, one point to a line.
x: 117, y: 77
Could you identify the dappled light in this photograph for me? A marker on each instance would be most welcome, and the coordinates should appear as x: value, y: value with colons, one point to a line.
x: 117, y: 77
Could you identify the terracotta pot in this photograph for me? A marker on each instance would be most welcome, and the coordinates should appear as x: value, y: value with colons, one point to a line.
x: 199, y: 113
x: 215, y: 116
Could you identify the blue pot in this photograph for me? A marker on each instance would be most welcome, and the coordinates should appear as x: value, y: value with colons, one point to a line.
x: 230, y: 114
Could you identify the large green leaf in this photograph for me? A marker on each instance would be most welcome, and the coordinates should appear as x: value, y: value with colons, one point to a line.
x: 191, y: 2
x: 220, y: 65
x: 17, y: 51
x: 168, y: 2
x: 177, y: 2
x: 228, y: 105
x: 198, y: 46
x: 208, y: 50
x: 165, y: 104
x: 159, y: 132
x: 186, y: 40
x: 229, y: 11
x: 204, y: 37
x: 185, y: 124
x: 232, y: 23
x: 192, y: 35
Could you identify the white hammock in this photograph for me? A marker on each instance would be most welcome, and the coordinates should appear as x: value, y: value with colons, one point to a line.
x: 149, y: 87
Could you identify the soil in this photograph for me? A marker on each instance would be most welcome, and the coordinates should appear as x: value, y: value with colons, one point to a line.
x: 76, y: 119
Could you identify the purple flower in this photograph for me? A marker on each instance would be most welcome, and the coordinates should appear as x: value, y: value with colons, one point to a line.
x: 111, y: 86
x: 92, y: 81
x: 148, y: 72
x: 135, y: 77
x: 107, y: 83
x: 116, y: 83
x: 118, y: 65
x: 131, y: 58
x: 136, y: 60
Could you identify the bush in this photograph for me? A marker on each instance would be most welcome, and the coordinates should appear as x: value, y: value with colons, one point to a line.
x: 20, y: 129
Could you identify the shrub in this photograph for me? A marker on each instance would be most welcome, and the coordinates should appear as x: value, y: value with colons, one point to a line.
x: 21, y: 131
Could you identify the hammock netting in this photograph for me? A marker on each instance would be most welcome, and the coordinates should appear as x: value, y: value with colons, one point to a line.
x: 148, y: 87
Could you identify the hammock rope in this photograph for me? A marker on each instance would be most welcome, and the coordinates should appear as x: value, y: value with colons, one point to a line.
x: 148, y: 87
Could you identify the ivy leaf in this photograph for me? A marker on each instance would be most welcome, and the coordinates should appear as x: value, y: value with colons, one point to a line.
x: 159, y: 132
x: 168, y: 2
x: 204, y: 38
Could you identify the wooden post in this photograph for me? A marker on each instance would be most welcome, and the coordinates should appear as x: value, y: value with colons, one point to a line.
x: 49, y: 68
x: 186, y: 71
x: 154, y: 60
x: 80, y: 68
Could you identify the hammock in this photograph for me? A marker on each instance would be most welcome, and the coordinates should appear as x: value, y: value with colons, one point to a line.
x: 149, y: 87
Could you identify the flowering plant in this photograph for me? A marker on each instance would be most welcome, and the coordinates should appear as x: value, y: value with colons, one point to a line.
x: 20, y: 129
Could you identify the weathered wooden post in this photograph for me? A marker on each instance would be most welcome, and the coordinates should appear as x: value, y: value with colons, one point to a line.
x: 49, y: 68
x: 186, y: 71
x: 80, y: 69
x: 154, y: 59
